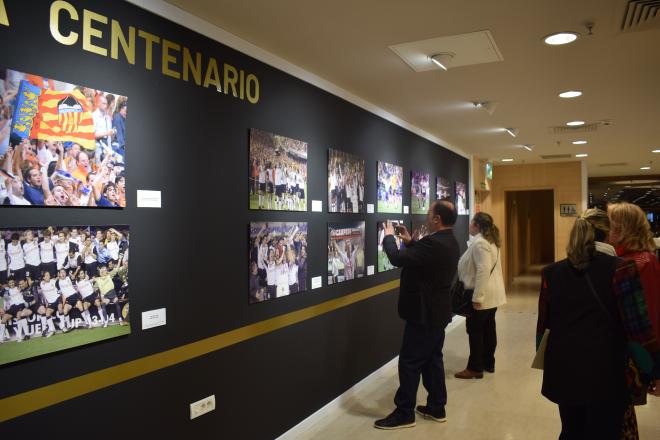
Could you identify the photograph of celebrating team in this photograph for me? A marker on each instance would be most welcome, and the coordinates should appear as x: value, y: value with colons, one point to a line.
x: 345, y: 251
x: 442, y: 188
x: 66, y: 283
x: 384, y: 262
x: 420, y: 196
x: 461, y: 199
x: 278, y: 172
x: 390, y: 188
x: 277, y: 260
x: 345, y: 182
x: 61, y: 144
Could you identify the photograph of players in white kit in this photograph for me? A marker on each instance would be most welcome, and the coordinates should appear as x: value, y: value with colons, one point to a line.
x: 384, y: 262
x: 56, y: 280
x: 461, y: 199
x: 345, y: 182
x: 442, y: 188
x: 345, y: 251
x: 420, y: 229
x: 278, y: 172
x: 390, y: 188
x: 420, y: 194
x: 277, y: 260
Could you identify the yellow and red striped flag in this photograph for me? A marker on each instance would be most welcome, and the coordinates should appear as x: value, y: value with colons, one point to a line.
x: 64, y: 116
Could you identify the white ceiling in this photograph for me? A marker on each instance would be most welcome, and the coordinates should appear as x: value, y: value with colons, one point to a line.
x: 347, y: 43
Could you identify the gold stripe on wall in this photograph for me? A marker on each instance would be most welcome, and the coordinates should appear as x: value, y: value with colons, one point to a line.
x: 33, y: 400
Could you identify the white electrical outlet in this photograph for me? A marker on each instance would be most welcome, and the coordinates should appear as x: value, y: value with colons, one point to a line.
x: 202, y: 407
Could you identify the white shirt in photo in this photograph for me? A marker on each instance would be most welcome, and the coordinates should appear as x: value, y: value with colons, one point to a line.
x: 270, y: 274
x: 3, y: 255
x: 113, y: 248
x: 61, y: 251
x: 15, y: 297
x: 31, y: 250
x: 47, y: 251
x: 85, y: 288
x: 15, y: 254
x: 293, y: 274
x: 66, y: 287
x: 50, y: 291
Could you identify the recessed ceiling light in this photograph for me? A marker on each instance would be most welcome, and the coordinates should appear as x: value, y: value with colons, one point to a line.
x: 560, y: 38
x: 655, y: 151
x: 442, y: 60
x: 645, y: 168
x: 528, y: 147
x: 512, y: 131
x: 575, y: 123
x: 581, y: 155
x: 579, y: 142
x: 507, y: 160
x: 570, y: 94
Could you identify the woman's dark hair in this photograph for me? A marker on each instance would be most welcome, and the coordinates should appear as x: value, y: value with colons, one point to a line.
x: 487, y: 228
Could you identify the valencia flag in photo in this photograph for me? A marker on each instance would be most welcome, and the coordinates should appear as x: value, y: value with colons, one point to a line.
x: 64, y: 116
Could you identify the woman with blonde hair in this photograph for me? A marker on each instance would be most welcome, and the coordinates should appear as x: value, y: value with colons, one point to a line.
x: 632, y: 238
x: 480, y: 269
x: 592, y: 303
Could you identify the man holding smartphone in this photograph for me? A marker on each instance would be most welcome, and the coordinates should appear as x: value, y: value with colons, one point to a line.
x: 429, y: 266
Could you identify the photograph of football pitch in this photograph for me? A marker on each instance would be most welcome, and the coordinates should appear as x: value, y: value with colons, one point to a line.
x: 12, y: 351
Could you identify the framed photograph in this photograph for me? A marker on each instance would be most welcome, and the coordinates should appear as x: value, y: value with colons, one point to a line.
x: 61, y: 288
x: 277, y: 260
x: 420, y: 194
x: 420, y: 229
x: 383, y: 262
x: 278, y: 172
x: 442, y: 188
x: 461, y: 199
x: 61, y: 144
x: 345, y: 182
x: 390, y: 188
x: 345, y: 251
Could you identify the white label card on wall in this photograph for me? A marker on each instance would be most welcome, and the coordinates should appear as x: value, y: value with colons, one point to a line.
x: 154, y: 318
x: 148, y: 199
x: 370, y: 270
x: 406, y: 209
x: 317, y: 282
x: 370, y: 208
x: 317, y: 205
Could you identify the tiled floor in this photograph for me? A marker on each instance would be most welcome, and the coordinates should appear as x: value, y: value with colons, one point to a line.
x: 506, y: 405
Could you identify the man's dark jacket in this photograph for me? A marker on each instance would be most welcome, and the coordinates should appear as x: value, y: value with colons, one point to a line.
x: 429, y: 266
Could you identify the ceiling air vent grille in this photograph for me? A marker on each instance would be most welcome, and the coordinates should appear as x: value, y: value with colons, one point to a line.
x: 556, y: 156
x: 579, y: 129
x: 639, y: 15
x: 616, y: 164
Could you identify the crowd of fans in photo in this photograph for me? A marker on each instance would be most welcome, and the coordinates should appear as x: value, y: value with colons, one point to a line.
x: 278, y: 172
x: 390, y: 185
x: 345, y: 182
x: 278, y: 260
x: 345, y: 254
x: 54, y: 173
x: 75, y: 275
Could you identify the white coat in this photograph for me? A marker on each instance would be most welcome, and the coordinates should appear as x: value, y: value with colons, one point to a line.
x: 474, y: 270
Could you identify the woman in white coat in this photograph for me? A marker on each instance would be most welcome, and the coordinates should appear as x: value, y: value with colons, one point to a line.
x: 480, y: 268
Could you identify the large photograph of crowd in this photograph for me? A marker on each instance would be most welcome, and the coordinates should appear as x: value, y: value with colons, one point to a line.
x: 390, y: 188
x: 345, y: 182
x: 420, y: 194
x: 277, y: 260
x: 345, y: 251
x: 384, y: 262
x: 61, y: 288
x: 278, y: 172
x: 60, y: 144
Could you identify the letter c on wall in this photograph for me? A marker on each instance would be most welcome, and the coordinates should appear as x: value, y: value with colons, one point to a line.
x: 55, y: 9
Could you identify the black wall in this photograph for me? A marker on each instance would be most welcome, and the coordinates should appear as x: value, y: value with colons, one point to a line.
x: 192, y: 144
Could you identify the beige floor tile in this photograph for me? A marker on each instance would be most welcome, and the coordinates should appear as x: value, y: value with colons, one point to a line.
x: 506, y: 405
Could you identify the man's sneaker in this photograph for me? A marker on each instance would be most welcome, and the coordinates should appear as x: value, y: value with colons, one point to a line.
x: 439, y: 416
x: 396, y: 420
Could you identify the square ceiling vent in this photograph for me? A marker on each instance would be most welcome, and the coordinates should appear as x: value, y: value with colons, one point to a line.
x: 468, y: 49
